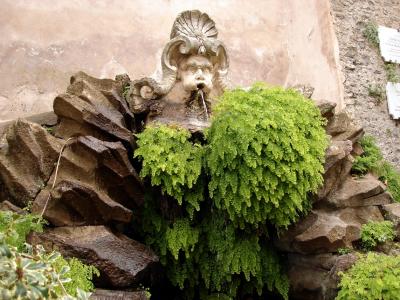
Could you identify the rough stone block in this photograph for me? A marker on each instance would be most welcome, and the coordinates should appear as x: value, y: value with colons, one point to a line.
x: 27, y: 157
x: 96, y: 184
x: 324, y: 231
x: 359, y: 192
x: 121, y: 261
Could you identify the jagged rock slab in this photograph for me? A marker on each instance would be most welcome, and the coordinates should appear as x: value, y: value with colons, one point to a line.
x: 324, y: 231
x: 354, y: 133
x: 338, y: 123
x: 74, y: 203
x: 94, y: 107
x: 335, y: 174
x: 336, y: 152
x: 7, y: 205
x: 341, y: 127
x: 121, y: 261
x: 96, y: 184
x: 47, y: 119
x: 359, y: 192
x: 100, y: 294
x: 338, y: 163
x: 392, y: 213
x: 327, y: 109
x: 27, y: 157
x: 316, y: 276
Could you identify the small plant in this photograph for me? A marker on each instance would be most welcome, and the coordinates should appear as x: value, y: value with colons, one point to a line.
x: 28, y: 272
x: 372, y: 161
x: 391, y: 72
x: 14, y: 227
x: 125, y: 90
x: 343, y: 251
x: 371, y: 34
x: 49, y: 129
x: 147, y: 293
x: 80, y: 275
x: 374, y: 233
x: 374, y: 276
x: 377, y: 91
x: 391, y: 177
x: 31, y: 275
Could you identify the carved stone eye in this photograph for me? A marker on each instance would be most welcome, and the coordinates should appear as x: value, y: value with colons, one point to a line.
x: 206, y: 69
x: 193, y: 69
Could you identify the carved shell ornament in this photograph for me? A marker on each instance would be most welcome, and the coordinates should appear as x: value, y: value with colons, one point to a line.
x: 193, y: 32
x: 196, y: 25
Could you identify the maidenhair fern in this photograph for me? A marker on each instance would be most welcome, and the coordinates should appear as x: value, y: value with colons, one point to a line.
x: 181, y: 237
x: 81, y: 275
x: 261, y: 157
x: 171, y: 161
x: 266, y: 148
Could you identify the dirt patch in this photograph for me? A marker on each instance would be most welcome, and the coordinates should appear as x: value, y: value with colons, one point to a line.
x: 363, y: 67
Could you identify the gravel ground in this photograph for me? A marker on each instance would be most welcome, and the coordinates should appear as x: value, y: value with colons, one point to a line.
x: 363, y: 66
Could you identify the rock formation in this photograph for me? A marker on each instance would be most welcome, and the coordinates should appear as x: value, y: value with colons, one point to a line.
x: 81, y: 176
x: 27, y: 156
x: 340, y: 208
x: 121, y: 261
x: 94, y: 107
x: 96, y: 184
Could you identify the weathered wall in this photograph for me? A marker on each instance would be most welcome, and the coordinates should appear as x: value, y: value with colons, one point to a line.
x: 44, y: 42
x: 363, y: 66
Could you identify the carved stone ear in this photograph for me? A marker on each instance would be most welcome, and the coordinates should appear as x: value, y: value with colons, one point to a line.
x: 223, y: 66
x: 175, y: 48
x: 220, y: 61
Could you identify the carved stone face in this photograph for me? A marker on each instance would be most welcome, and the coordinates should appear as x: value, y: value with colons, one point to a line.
x: 196, y: 72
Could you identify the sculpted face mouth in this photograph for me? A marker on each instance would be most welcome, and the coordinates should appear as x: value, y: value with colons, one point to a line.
x: 196, y: 72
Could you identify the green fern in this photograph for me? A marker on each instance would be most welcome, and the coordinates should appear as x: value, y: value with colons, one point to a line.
x: 266, y: 152
x: 372, y: 161
x: 80, y: 274
x: 181, y: 237
x: 262, y: 156
x: 170, y: 160
x: 373, y: 276
x: 15, y: 227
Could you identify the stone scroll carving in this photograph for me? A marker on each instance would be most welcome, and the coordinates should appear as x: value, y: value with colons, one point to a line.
x: 194, y: 73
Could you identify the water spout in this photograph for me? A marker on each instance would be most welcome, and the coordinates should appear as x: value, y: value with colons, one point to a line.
x: 204, y: 103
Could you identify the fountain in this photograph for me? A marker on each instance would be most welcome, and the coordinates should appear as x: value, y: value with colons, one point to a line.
x: 194, y: 70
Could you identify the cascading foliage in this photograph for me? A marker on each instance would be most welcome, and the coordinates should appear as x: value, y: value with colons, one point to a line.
x: 222, y: 198
x: 265, y: 153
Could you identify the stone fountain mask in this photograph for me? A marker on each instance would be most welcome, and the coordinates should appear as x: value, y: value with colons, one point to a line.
x: 193, y: 60
x: 196, y: 72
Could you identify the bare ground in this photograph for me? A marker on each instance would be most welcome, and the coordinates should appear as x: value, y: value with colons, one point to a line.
x: 363, y: 66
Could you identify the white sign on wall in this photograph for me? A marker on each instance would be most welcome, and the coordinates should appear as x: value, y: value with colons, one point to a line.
x: 393, y: 99
x: 389, y: 44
